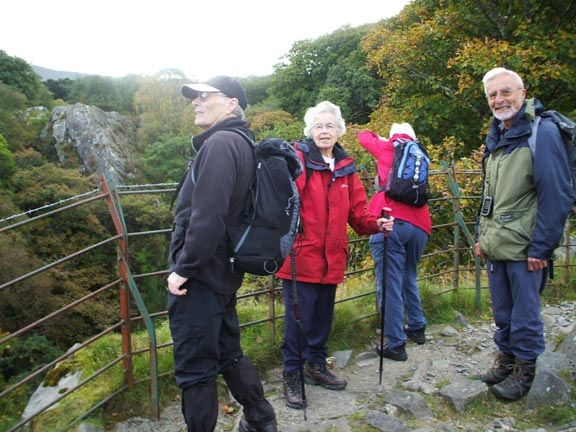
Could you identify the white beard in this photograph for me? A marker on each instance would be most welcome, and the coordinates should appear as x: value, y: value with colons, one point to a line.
x: 506, y: 115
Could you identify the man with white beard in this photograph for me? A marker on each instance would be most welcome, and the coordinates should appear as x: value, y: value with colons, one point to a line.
x: 526, y: 200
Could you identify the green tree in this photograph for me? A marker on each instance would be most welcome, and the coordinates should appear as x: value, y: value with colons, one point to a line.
x: 59, y: 235
x: 12, y: 125
x: 434, y: 54
x: 20, y: 90
x: 162, y: 111
x: 538, y: 42
x: 7, y: 164
x: 330, y: 67
x: 60, y: 88
x: 127, y: 88
x: 411, y: 55
x: 26, y: 355
x: 165, y: 159
x: 256, y: 89
x: 16, y: 73
x: 275, y: 123
x: 107, y: 93
x: 95, y: 90
x: 433, y: 57
x: 149, y: 253
x: 28, y: 159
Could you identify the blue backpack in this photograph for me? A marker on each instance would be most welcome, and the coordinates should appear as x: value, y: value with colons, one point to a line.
x: 407, y: 180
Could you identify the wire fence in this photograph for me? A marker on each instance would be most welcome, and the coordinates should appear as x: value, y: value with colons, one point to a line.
x: 448, y: 262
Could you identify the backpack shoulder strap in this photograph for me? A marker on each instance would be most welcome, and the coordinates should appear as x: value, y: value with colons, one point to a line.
x: 189, y: 165
x: 532, y: 139
x: 303, y: 147
x: 243, y: 135
x: 247, y: 139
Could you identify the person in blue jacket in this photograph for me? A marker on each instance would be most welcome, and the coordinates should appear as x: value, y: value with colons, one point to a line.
x: 526, y: 200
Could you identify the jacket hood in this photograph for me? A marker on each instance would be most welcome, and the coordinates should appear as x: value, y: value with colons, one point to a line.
x: 520, y: 128
x: 533, y: 107
x: 314, y: 152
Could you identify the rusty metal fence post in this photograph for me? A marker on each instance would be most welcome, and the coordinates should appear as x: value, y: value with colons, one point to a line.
x: 130, y: 287
x: 461, y: 223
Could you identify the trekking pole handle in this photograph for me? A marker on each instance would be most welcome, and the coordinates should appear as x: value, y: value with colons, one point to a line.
x: 386, y: 215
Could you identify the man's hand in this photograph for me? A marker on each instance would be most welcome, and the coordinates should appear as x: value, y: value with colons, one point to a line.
x: 175, y: 282
x: 478, y: 251
x: 535, y: 264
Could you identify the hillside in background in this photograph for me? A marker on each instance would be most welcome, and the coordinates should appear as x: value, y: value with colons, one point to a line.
x: 47, y: 74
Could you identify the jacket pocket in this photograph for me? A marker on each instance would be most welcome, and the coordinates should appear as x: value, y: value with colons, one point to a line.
x: 176, y: 243
x: 512, y: 236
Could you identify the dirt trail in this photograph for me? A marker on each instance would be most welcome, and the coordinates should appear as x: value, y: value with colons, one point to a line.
x: 440, y: 359
x: 449, y: 355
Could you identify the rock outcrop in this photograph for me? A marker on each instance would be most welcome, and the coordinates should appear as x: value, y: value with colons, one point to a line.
x: 97, y: 141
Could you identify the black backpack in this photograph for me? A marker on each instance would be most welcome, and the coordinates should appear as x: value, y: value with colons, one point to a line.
x: 407, y: 180
x: 272, y: 215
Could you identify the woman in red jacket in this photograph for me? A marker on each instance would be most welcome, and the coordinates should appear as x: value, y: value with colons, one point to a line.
x: 412, y: 228
x: 332, y: 196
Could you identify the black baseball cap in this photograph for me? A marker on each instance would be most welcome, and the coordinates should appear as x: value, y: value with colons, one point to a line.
x: 223, y: 84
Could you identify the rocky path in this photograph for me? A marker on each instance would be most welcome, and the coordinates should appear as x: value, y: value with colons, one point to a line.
x: 449, y: 355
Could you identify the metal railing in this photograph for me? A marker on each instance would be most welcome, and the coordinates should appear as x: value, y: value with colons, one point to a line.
x: 129, y: 294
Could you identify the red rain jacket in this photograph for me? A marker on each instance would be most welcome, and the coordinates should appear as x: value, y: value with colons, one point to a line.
x: 330, y: 201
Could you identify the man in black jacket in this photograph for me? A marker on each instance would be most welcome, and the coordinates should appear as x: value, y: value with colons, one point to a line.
x: 202, y: 288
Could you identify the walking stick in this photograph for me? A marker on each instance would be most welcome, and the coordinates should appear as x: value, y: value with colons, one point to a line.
x: 386, y: 215
x: 298, y: 327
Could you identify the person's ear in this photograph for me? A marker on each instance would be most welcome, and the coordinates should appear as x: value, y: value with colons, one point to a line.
x: 231, y: 105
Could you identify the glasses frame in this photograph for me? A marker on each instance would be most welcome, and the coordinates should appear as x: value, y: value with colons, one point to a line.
x: 505, y: 93
x: 318, y: 127
x: 203, y: 96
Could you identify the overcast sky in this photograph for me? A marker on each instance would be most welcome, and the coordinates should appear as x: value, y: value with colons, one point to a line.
x: 202, y: 38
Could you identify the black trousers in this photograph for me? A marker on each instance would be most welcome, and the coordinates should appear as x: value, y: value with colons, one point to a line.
x: 206, y: 335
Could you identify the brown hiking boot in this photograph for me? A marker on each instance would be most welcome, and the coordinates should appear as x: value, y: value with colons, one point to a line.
x: 518, y: 382
x: 503, y: 366
x: 293, y: 390
x: 317, y: 374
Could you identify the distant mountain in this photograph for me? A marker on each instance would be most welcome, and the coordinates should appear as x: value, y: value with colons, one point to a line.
x: 47, y: 74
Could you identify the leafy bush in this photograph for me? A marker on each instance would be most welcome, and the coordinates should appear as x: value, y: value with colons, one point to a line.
x: 20, y: 357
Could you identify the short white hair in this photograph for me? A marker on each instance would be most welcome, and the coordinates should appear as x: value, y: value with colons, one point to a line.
x: 323, y: 107
x: 493, y: 73
x: 402, y: 128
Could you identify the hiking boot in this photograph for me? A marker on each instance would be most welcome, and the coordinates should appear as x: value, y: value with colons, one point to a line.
x: 317, y: 374
x: 246, y: 427
x: 418, y: 336
x: 518, y: 382
x: 396, y: 354
x: 502, y: 368
x: 293, y: 390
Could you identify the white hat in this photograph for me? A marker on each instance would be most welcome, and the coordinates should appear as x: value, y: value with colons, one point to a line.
x: 402, y: 128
